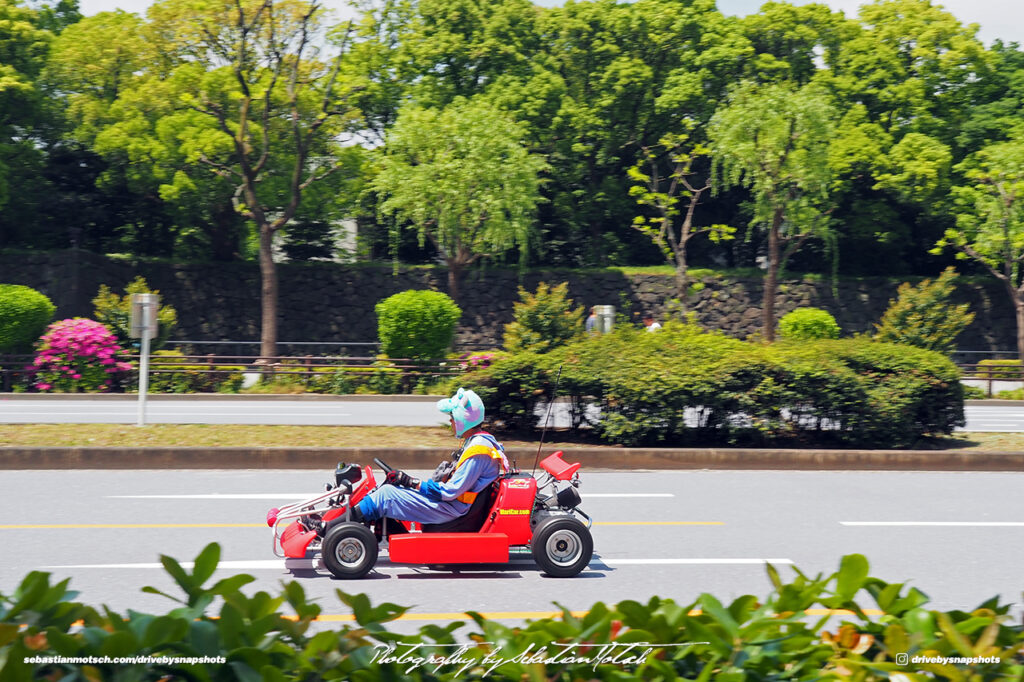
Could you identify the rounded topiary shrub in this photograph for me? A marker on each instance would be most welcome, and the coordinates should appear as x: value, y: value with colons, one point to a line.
x: 417, y: 324
x: 24, y: 314
x: 804, y: 324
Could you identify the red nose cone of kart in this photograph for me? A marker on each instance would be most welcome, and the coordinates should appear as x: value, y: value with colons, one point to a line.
x: 272, y: 516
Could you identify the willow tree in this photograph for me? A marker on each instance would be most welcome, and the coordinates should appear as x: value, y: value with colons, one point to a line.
x: 774, y: 140
x: 462, y: 178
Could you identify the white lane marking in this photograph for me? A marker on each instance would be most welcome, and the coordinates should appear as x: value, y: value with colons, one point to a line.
x: 204, y: 415
x: 932, y: 523
x: 295, y: 496
x: 697, y: 562
x: 586, y: 495
x: 306, y: 564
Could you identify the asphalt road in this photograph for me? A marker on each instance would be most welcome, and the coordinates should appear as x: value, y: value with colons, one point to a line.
x: 349, y: 412
x: 956, y: 536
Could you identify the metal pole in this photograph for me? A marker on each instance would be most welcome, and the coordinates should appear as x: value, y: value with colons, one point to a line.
x: 144, y: 361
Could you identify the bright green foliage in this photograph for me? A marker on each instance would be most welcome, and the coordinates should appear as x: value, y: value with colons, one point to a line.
x: 990, y: 219
x: 24, y: 314
x: 543, y: 320
x: 674, y: 195
x: 463, y: 179
x: 115, y: 312
x: 791, y: 40
x: 915, y: 65
x: 846, y: 391
x: 804, y: 324
x: 917, y: 167
x: 774, y: 141
x: 922, y: 315
x: 170, y: 373
x: 999, y: 369
x: 23, y: 48
x: 417, y: 324
x: 227, y: 110
x: 275, y: 636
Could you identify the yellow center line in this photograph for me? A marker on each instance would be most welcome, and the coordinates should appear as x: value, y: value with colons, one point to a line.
x: 521, y: 615
x: 513, y: 615
x: 101, y: 526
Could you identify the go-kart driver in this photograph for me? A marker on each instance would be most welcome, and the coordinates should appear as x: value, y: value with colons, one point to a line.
x: 455, y: 484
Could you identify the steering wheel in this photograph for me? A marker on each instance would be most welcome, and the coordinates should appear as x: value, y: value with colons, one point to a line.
x: 382, y: 464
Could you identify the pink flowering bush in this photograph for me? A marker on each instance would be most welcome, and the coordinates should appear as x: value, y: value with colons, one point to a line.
x: 471, y: 361
x: 76, y: 356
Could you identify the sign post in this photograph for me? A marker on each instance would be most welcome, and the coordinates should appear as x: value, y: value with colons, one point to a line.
x: 605, y: 318
x: 144, y: 327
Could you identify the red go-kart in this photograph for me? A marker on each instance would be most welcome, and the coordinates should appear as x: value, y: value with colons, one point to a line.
x: 516, y: 513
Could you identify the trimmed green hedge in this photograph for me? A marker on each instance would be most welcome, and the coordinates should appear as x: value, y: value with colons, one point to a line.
x: 685, y: 386
x: 24, y: 314
x: 417, y: 324
x: 263, y: 636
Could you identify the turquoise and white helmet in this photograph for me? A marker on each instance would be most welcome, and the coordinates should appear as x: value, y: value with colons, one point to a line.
x: 466, y: 409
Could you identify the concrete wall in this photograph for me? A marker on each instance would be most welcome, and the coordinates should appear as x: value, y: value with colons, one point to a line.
x: 329, y: 302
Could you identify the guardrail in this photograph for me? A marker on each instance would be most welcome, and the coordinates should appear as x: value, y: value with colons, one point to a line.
x: 989, y: 374
x: 405, y: 370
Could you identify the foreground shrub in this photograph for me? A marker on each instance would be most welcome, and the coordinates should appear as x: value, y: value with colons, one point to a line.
x: 685, y: 386
x: 230, y: 635
x: 116, y: 312
x: 922, y: 316
x: 76, y: 356
x: 804, y: 324
x: 543, y: 320
x: 417, y: 324
x: 24, y: 314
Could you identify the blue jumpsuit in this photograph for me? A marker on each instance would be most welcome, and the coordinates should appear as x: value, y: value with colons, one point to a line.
x: 434, y: 502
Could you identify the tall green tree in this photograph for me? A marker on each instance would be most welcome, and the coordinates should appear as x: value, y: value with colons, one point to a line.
x: 462, y: 178
x: 629, y: 74
x: 233, y: 108
x: 990, y: 219
x: 667, y: 181
x: 23, y: 49
x: 901, y: 69
x: 774, y: 140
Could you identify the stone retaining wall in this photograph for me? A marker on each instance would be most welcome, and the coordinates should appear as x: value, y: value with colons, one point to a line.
x: 328, y: 302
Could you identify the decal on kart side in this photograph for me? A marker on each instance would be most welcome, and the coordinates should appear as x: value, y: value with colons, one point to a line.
x: 514, y: 511
x: 516, y: 483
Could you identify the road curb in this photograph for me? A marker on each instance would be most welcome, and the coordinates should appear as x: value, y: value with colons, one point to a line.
x: 35, y: 458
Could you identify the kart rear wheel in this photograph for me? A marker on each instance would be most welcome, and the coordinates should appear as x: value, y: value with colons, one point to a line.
x: 562, y: 546
x: 350, y: 550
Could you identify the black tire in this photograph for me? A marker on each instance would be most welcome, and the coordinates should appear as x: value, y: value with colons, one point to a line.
x: 562, y: 546
x: 350, y: 550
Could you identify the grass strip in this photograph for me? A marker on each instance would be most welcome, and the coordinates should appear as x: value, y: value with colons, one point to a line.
x: 241, y: 435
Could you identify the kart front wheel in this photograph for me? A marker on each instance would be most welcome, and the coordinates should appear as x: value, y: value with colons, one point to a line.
x: 350, y: 550
x: 562, y: 546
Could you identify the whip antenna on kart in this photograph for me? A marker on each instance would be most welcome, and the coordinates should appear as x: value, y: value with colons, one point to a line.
x: 544, y: 431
